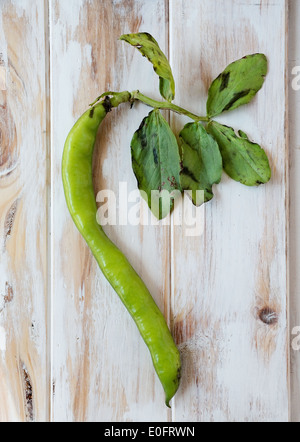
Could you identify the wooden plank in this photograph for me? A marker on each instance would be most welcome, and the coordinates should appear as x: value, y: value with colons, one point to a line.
x: 101, y: 369
x: 294, y: 107
x: 23, y: 213
x: 224, y: 282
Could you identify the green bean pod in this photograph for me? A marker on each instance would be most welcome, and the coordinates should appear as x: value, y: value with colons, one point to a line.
x: 80, y: 197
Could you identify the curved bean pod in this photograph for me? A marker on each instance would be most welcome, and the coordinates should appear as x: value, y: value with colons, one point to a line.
x: 80, y: 197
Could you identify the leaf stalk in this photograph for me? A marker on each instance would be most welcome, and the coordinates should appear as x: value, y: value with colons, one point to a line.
x: 136, y: 95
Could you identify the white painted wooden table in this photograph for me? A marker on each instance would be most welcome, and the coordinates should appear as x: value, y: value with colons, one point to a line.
x: 68, y: 349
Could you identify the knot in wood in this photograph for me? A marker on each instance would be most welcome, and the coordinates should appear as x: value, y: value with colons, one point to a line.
x: 268, y: 316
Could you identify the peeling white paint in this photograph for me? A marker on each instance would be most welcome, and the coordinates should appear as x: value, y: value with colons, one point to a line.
x: 2, y: 339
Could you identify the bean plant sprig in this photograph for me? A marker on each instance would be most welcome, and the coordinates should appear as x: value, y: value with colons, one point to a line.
x: 159, y: 163
x: 206, y: 147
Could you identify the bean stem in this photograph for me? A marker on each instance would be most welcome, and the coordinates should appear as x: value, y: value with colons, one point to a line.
x: 136, y: 95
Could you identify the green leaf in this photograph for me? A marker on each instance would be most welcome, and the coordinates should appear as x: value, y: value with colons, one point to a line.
x: 243, y: 160
x: 237, y: 84
x: 149, y: 47
x: 201, y: 161
x: 156, y: 163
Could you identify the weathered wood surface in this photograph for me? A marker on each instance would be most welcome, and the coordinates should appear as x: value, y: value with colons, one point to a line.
x: 294, y: 111
x: 24, y: 213
x: 237, y: 269
x: 101, y: 368
x: 69, y: 350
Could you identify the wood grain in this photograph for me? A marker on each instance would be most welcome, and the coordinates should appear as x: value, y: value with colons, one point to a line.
x: 23, y: 209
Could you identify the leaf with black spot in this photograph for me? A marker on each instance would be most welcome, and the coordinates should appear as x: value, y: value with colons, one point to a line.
x: 201, y: 162
x: 243, y: 160
x: 156, y: 163
x: 149, y: 48
x: 237, y: 84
